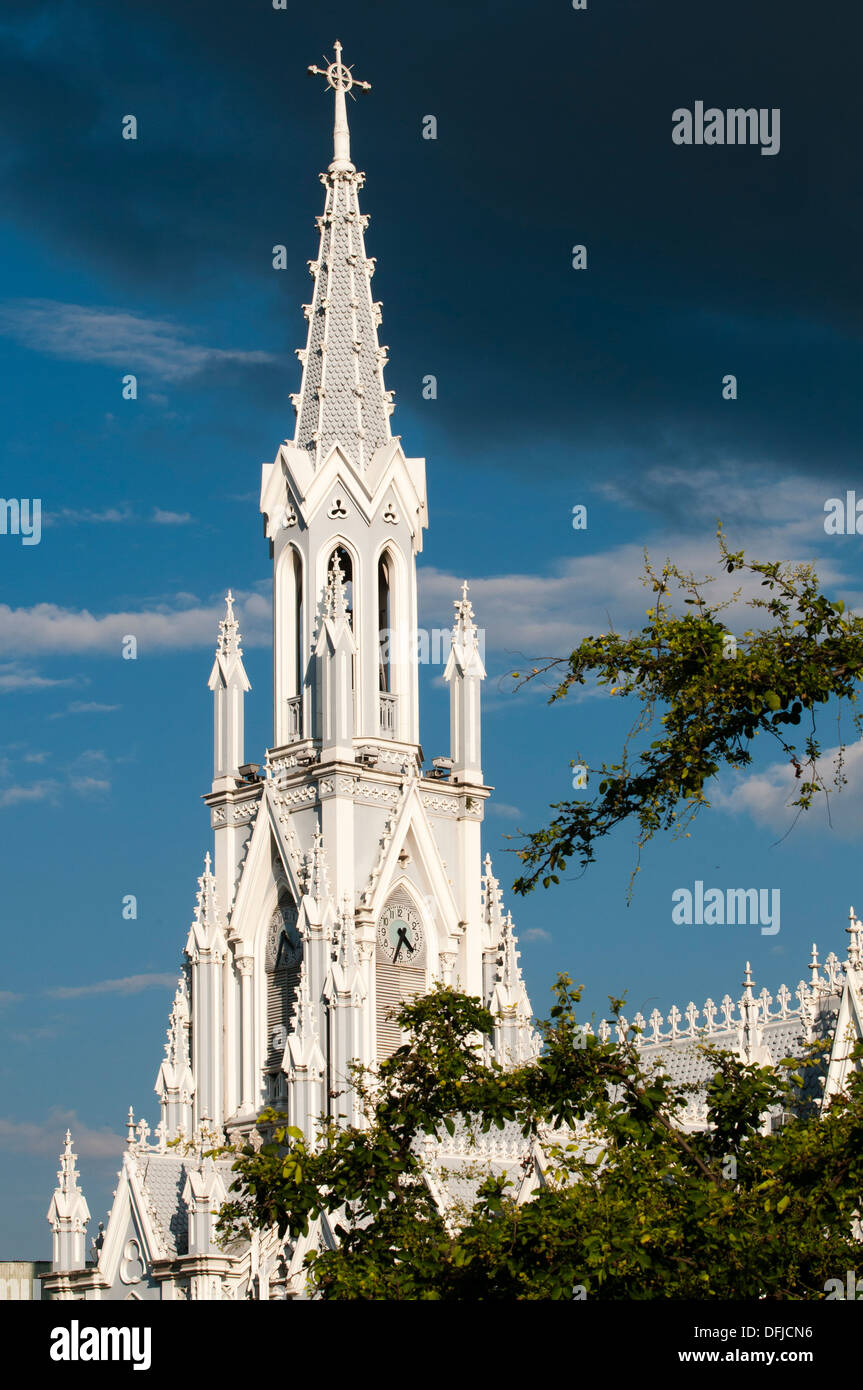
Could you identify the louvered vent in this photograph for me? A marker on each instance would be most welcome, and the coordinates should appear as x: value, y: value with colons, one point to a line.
x: 396, y: 985
x: 282, y: 967
x: 282, y: 986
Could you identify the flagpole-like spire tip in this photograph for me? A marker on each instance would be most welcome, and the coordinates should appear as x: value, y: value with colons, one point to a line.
x: 341, y: 79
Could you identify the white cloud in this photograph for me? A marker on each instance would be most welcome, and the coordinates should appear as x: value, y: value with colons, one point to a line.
x: 115, y: 337
x: 37, y: 791
x: 49, y: 629
x: 755, y: 504
x: 535, y: 934
x: 84, y: 707
x: 14, y: 678
x: 123, y: 515
x: 89, y: 786
x: 767, y: 796
x: 74, y: 516
x: 535, y: 616
x: 46, y: 1137
x: 85, y: 775
x: 129, y: 984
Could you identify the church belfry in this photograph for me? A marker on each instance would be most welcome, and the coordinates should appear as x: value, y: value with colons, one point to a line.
x: 346, y: 878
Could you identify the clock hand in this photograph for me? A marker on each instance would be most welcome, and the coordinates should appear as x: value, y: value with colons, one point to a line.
x: 402, y: 941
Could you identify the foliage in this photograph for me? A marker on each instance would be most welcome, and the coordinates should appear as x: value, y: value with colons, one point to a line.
x: 633, y: 1207
x: 710, y: 707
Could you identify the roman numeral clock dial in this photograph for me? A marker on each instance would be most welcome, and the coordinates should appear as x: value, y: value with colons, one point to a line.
x: 400, y: 934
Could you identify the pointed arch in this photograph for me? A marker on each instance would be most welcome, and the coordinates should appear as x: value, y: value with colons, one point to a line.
x: 394, y: 641
x: 351, y: 561
x: 351, y: 564
x: 291, y: 642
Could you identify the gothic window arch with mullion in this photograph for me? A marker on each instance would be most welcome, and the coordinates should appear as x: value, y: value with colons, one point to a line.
x: 282, y: 964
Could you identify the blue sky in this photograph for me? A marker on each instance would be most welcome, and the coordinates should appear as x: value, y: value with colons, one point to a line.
x: 555, y: 387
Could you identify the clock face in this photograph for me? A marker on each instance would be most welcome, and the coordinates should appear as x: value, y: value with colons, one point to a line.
x: 290, y: 948
x: 400, y: 934
x: 285, y: 946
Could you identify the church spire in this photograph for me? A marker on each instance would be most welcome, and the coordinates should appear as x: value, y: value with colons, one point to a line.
x: 342, y: 399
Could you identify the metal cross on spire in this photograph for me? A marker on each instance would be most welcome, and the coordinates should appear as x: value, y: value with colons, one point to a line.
x: 341, y: 79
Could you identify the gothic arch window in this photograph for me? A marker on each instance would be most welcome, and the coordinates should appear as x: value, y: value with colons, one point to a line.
x: 282, y: 962
x: 297, y: 566
x: 401, y: 954
x: 385, y: 624
x: 290, y: 641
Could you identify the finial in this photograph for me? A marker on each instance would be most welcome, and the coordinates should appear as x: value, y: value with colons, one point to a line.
x: 747, y: 980
x: 340, y: 78
x: 853, y: 929
x: 229, y: 631
x: 813, y: 966
x: 335, y: 598
x: 207, y: 862
x: 67, y: 1174
x: 130, y: 1127
x: 463, y: 607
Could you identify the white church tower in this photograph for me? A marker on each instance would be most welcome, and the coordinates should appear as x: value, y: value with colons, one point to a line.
x: 349, y: 879
x: 344, y: 878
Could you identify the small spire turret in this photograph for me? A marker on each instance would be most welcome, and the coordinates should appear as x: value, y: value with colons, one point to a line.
x: 464, y: 672
x: 68, y: 1215
x: 229, y: 684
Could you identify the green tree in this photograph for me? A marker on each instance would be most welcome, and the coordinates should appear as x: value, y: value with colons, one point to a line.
x: 709, y: 708
x: 633, y: 1207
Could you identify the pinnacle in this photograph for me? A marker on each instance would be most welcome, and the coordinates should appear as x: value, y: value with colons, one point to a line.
x: 228, y: 644
x: 335, y: 598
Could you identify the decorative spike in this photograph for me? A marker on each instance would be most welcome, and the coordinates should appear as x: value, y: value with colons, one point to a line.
x: 206, y: 934
x: 335, y: 598
x: 492, y: 900
x: 854, y: 937
x: 228, y: 645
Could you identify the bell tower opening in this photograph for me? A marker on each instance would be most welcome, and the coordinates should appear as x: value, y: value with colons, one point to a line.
x: 341, y: 556
x: 384, y: 627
